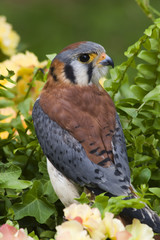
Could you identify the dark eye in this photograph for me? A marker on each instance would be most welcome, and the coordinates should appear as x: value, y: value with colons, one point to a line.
x: 84, y: 57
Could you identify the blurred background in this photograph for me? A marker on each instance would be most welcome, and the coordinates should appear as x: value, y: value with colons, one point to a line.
x: 47, y: 26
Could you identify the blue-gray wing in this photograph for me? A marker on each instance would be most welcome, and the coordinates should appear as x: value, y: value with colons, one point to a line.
x: 69, y: 157
x: 119, y: 150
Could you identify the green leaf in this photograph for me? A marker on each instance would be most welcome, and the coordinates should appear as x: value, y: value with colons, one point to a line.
x: 149, y: 57
x: 146, y: 85
x: 16, y: 122
x: 124, y: 121
x: 155, y: 191
x: 36, y: 208
x: 49, y: 192
x: 32, y: 234
x: 139, y: 122
x: 144, y: 176
x: 147, y: 44
x: 6, y: 93
x: 148, y: 31
x: 39, y: 74
x: 23, y: 137
x: 138, y: 92
x: 43, y: 168
x: 2, y: 117
x: 47, y: 234
x: 148, y: 71
x: 101, y: 202
x: 8, y: 77
x: 155, y: 33
x: 5, y: 127
x: 157, y: 22
x: 34, y: 204
x: 156, y: 205
x: 9, y: 175
x: 51, y: 56
x: 152, y: 141
x: 10, y: 73
x: 153, y: 95
x: 130, y: 111
x: 32, y: 144
x: 156, y: 175
x: 139, y: 158
x: 83, y: 198
x: 6, y: 103
x: 139, y: 142
x: 117, y: 204
x: 157, y: 123
x: 154, y: 44
x: 132, y: 49
x: 24, y: 107
x: 115, y: 74
x: 136, y: 131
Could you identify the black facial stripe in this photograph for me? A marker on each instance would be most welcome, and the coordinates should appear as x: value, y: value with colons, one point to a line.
x: 68, y: 69
x: 89, y: 72
x: 53, y: 74
x: 52, y: 70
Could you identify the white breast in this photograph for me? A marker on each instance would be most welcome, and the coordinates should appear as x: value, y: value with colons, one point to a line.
x: 66, y: 190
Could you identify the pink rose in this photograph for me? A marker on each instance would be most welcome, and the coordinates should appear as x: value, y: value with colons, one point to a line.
x: 8, y: 232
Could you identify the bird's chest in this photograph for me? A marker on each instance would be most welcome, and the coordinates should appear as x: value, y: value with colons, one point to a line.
x: 88, y: 114
x: 73, y: 105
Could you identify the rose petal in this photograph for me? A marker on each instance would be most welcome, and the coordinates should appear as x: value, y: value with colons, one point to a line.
x: 124, y: 235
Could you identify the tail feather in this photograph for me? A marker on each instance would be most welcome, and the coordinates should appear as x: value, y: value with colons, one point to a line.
x: 145, y: 215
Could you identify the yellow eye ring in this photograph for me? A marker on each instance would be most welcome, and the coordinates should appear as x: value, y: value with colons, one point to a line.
x: 87, y: 57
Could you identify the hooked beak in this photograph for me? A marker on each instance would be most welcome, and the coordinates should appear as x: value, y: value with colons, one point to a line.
x: 105, y: 60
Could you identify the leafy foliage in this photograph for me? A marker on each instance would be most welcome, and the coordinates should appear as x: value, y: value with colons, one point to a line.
x: 25, y: 190
x: 112, y: 204
x: 135, y: 88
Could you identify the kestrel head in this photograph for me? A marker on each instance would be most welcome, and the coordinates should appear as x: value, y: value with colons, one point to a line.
x: 81, y: 63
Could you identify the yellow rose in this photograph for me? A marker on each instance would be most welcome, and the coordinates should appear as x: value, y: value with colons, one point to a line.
x: 140, y: 231
x: 9, y: 39
x: 23, y: 66
x: 112, y: 225
x: 71, y: 230
x: 11, y: 113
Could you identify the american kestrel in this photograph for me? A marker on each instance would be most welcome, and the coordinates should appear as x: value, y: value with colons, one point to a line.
x: 79, y: 129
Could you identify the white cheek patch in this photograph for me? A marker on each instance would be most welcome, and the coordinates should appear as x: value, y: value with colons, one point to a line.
x: 82, y: 76
x: 80, y: 72
x: 98, y: 72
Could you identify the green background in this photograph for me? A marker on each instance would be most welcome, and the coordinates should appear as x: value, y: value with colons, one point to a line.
x: 46, y: 26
